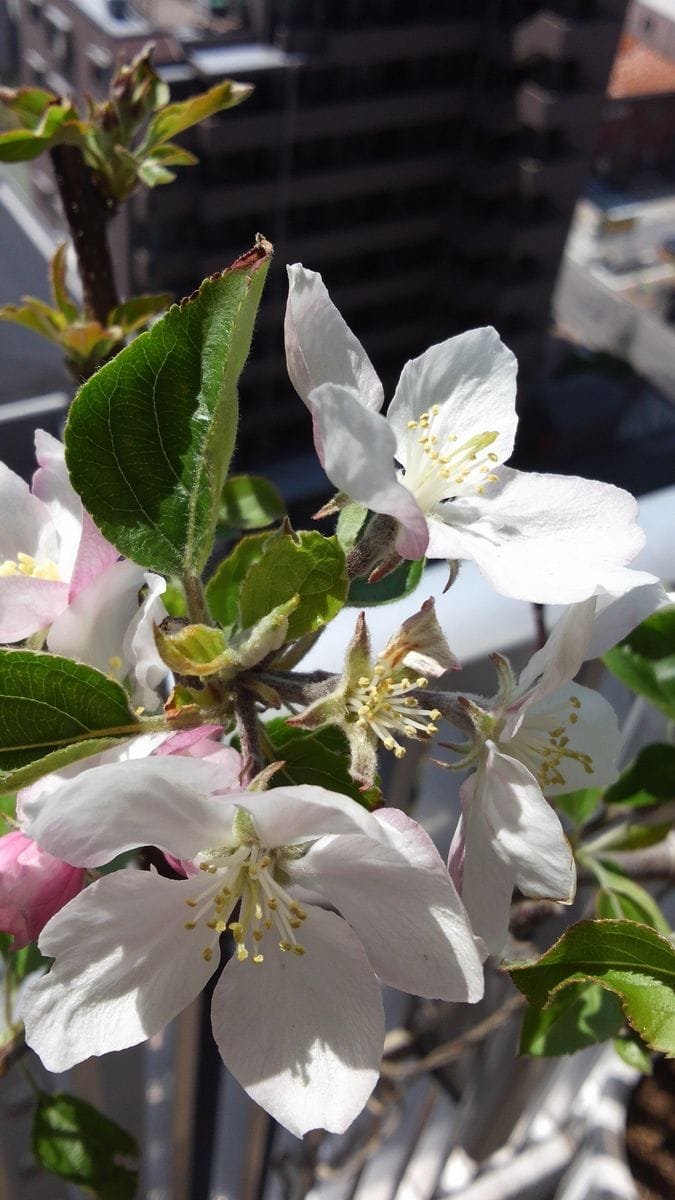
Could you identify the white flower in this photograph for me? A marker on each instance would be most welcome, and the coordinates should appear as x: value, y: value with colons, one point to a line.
x: 297, y: 1012
x: 450, y: 427
x: 539, y: 735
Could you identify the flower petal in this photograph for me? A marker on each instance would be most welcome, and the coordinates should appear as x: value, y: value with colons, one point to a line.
x: 320, y: 346
x: 359, y: 451
x: 472, y: 378
x: 487, y: 880
x: 550, y: 539
x: 403, y: 905
x: 53, y: 487
x: 595, y: 734
x: 526, y: 832
x: 26, y: 525
x: 618, y: 613
x: 284, y: 816
x: 28, y: 604
x: 149, y: 801
x: 125, y: 966
x: 304, y: 1035
x: 93, y: 625
x: 566, y: 648
x: 139, y: 651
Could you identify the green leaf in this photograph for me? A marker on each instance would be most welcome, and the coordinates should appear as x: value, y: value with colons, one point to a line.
x: 153, y: 173
x: 222, y: 590
x: 400, y: 583
x: 633, y: 1051
x: 645, y: 660
x: 73, y: 1140
x: 150, y: 436
x: 57, y: 123
x: 50, y: 702
x: 634, y: 962
x: 635, y: 837
x: 26, y: 961
x: 307, y: 565
x: 621, y: 896
x: 318, y: 758
x: 57, y: 276
x: 250, y: 502
x: 648, y: 780
x: 138, y: 310
x: 175, y: 118
x: 580, y: 805
x: 350, y: 522
x: 7, y: 809
x: 578, y: 1016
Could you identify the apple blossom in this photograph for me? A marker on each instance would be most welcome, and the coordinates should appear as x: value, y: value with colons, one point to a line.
x: 450, y: 427
x: 33, y: 887
x: 380, y: 702
x: 297, y: 1012
x: 539, y: 735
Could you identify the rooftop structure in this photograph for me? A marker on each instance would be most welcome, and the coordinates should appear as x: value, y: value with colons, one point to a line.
x: 424, y: 157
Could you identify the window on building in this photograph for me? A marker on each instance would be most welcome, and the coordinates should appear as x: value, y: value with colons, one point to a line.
x: 99, y: 65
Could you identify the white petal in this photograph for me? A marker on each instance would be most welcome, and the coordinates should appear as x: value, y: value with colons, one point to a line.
x: 618, y: 614
x: 472, y: 378
x: 526, y: 832
x: 487, y: 881
x: 139, y: 650
x: 92, y: 627
x: 150, y: 801
x: 546, y: 538
x: 26, y: 525
x: 125, y: 966
x: 566, y: 648
x: 284, y: 816
x: 358, y: 457
x: 52, y: 485
x: 595, y: 733
x: 28, y: 604
x: 320, y: 346
x: 401, y: 902
x: 304, y: 1035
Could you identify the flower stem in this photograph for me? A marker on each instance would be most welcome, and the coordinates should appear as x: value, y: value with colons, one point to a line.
x: 249, y: 739
x: 196, y: 602
x: 87, y: 213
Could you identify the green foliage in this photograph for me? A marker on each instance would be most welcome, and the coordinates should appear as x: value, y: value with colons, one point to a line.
x: 249, y: 502
x: 73, y: 1140
x: 648, y: 780
x: 307, y: 565
x: 222, y: 589
x: 126, y: 138
x: 318, y: 758
x: 396, y: 586
x: 633, y: 1051
x: 579, y: 806
x: 150, y: 436
x: 645, y: 660
x: 49, y: 701
x: 621, y: 896
x: 634, y: 962
x: 578, y: 1016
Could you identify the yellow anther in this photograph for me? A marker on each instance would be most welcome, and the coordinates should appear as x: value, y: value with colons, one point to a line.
x: 573, y: 718
x: 191, y: 903
x: 285, y: 946
x: 273, y: 904
x: 412, y: 424
x: 299, y: 950
x: 399, y: 751
x: 242, y: 952
x: 258, y: 935
x: 115, y: 662
x: 575, y: 702
x: 189, y: 924
x: 207, y: 954
x: 258, y: 958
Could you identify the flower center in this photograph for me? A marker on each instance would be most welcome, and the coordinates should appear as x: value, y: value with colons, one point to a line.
x: 25, y: 564
x: 246, y: 874
x: 545, y: 747
x: 384, y: 705
x: 440, y: 467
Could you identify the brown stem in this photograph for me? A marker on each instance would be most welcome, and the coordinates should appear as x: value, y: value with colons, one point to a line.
x: 195, y: 600
x: 87, y: 213
x: 247, y: 728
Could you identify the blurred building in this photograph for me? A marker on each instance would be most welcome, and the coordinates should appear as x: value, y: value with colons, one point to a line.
x: 425, y: 157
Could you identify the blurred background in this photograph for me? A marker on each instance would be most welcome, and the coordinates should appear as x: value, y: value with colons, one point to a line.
x: 443, y: 163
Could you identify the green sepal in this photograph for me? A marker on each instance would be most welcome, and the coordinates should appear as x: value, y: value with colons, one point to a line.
x: 318, y: 757
x: 396, y: 586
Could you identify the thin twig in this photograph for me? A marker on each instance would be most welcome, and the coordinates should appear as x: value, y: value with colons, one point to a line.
x: 249, y: 740
x: 87, y: 213
x: 442, y: 1055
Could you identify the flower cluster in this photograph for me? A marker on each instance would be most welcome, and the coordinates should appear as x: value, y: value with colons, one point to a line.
x: 307, y: 900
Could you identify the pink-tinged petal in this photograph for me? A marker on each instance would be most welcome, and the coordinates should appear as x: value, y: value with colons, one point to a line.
x: 33, y: 887
x: 93, y: 625
x: 320, y: 346
x: 472, y: 378
x: 487, y: 880
x: 400, y: 900
x: 551, y: 539
x: 28, y: 604
x: 94, y: 555
x: 286, y: 815
x: 147, y: 671
x: 618, y: 613
x: 53, y: 487
x: 359, y: 451
x: 526, y: 832
x: 151, y: 801
x: 304, y: 1035
x: 125, y: 965
x: 593, y: 741
x: 26, y: 525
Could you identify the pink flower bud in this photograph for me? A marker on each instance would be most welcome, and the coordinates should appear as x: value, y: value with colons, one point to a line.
x: 33, y: 887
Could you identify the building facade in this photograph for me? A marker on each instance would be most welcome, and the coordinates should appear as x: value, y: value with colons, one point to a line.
x: 424, y: 157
